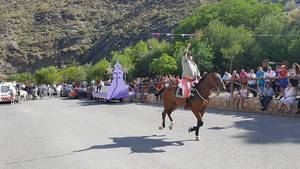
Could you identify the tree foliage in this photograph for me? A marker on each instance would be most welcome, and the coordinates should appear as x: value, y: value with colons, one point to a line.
x: 99, y: 70
x: 248, y: 31
x: 73, y: 73
x: 22, y: 77
x: 48, y: 75
x: 164, y: 65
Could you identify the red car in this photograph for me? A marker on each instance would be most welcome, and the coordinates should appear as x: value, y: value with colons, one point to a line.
x: 73, y: 94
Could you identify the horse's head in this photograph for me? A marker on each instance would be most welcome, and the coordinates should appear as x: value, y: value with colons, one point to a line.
x: 215, y: 81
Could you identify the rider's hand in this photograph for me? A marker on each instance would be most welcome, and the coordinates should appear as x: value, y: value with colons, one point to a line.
x: 189, y: 45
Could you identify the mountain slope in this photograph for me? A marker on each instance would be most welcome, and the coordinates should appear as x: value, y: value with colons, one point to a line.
x: 60, y: 32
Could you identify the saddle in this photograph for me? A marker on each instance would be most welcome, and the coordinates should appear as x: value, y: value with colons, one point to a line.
x: 185, y: 89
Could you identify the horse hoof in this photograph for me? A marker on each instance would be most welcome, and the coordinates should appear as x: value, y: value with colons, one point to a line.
x: 197, y: 138
x: 190, y: 129
x: 160, y: 127
x: 171, y: 125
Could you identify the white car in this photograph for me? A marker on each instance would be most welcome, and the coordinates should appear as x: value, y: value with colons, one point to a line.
x: 7, y: 91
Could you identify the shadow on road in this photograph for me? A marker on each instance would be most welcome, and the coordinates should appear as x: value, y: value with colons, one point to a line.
x: 138, y: 144
x: 264, y: 129
x: 86, y: 102
x: 38, y: 159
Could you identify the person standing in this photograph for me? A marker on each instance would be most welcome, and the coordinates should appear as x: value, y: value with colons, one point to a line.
x: 260, y: 74
x: 283, y: 77
x: 294, y: 75
x: 226, y: 78
x: 276, y: 87
x: 235, y: 78
x: 244, y: 77
x: 252, y: 82
x: 270, y: 74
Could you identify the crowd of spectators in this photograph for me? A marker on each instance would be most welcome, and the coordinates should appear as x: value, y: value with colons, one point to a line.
x: 280, y: 83
x: 264, y: 83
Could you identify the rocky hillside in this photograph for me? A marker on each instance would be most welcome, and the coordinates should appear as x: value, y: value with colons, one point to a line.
x: 36, y: 33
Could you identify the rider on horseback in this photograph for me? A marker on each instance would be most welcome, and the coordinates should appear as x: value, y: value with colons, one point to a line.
x: 190, y: 73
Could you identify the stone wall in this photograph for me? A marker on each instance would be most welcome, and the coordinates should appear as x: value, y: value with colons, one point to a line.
x: 215, y: 102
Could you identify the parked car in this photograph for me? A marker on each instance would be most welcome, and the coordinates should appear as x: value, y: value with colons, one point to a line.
x: 6, y: 90
x: 74, y: 94
x: 66, y: 90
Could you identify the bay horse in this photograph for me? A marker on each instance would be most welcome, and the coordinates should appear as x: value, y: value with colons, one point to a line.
x: 199, y: 101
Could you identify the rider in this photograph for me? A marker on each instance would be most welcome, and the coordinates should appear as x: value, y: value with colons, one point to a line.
x: 190, y: 73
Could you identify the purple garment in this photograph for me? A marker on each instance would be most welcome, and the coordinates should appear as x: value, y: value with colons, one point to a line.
x: 117, y: 89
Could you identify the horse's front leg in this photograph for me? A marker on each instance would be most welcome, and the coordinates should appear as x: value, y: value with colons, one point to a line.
x: 163, y: 120
x: 197, y: 127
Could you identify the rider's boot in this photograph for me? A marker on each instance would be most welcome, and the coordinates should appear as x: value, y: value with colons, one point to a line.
x: 187, y: 105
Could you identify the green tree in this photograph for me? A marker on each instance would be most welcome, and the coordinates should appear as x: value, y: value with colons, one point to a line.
x: 99, y: 70
x: 74, y: 73
x: 47, y: 75
x: 202, y: 54
x: 230, y: 12
x: 124, y: 59
x: 231, y: 53
x: 274, y: 47
x: 294, y: 50
x: 22, y: 77
x: 164, y: 65
x: 227, y: 38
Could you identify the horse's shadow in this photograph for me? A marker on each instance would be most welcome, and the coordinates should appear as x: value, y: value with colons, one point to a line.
x: 138, y: 144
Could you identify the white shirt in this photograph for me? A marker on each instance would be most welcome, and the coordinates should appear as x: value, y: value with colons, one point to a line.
x: 252, y: 82
x: 290, y: 92
x: 270, y: 74
x: 226, y: 76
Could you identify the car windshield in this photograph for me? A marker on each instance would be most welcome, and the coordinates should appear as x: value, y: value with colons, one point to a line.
x: 4, y: 89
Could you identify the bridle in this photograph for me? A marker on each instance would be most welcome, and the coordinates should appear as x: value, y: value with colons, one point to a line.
x: 200, y: 95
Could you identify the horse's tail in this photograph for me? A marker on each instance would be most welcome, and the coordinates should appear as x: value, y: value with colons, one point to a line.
x: 160, y: 92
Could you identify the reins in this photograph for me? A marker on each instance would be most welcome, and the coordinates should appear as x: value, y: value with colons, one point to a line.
x: 201, y: 95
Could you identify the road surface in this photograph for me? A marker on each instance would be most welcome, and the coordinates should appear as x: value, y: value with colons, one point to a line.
x: 80, y: 134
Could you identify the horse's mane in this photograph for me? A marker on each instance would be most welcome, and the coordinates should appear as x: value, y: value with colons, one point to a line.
x: 204, y: 77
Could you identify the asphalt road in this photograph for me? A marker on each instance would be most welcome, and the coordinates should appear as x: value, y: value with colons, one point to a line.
x: 79, y: 134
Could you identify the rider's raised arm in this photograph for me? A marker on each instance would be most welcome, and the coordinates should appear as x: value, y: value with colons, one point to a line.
x: 185, y: 57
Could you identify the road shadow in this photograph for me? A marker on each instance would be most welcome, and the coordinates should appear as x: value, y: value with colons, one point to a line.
x: 87, y: 102
x: 138, y: 144
x: 39, y: 159
x: 264, y: 129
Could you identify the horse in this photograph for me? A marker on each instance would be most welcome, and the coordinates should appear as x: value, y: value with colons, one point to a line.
x: 23, y: 94
x: 13, y: 94
x: 198, y: 102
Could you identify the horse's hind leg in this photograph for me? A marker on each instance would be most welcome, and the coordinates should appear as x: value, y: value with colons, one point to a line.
x: 170, y: 117
x: 163, y: 120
